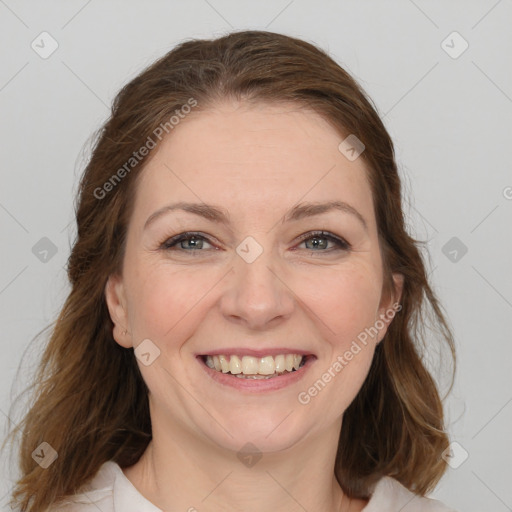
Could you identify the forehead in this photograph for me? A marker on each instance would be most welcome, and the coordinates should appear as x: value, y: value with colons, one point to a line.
x: 231, y: 130
x: 253, y: 157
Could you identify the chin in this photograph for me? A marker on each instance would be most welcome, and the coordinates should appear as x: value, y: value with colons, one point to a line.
x: 265, y: 433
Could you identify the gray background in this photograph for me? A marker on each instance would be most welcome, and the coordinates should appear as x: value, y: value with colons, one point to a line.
x: 448, y: 112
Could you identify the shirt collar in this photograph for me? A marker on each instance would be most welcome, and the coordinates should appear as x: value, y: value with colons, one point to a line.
x: 127, y: 498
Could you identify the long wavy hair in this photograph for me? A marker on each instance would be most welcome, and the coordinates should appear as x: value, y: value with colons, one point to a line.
x: 89, y: 401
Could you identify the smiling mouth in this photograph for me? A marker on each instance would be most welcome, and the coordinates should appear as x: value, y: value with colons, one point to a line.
x: 248, y: 367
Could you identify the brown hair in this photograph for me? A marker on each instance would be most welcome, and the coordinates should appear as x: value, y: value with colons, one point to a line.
x: 90, y: 401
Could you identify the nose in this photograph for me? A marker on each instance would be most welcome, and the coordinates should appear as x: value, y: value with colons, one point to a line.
x: 257, y: 294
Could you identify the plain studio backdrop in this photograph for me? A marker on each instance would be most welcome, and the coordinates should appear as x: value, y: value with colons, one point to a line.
x: 439, y: 73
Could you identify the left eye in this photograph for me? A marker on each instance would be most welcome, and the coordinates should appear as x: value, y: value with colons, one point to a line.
x: 191, y: 242
x: 320, y: 240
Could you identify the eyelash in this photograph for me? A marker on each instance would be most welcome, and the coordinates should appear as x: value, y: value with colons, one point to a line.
x: 342, y: 245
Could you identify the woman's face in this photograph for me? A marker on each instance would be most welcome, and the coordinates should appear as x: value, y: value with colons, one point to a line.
x: 256, y: 281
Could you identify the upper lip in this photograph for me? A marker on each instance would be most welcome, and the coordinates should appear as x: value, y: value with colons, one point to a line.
x: 240, y: 352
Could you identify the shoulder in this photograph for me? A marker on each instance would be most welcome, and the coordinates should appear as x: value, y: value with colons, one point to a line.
x: 109, y: 491
x: 97, y: 494
x: 389, y: 495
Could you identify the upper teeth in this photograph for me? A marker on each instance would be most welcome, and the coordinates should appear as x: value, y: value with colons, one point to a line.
x: 248, y: 365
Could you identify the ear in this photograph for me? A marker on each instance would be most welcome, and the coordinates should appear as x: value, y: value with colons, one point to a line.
x: 389, y: 306
x: 116, y: 303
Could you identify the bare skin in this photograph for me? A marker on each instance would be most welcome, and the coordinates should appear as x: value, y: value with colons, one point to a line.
x: 314, y: 295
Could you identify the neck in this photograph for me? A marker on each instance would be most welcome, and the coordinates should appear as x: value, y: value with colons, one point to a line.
x: 179, y: 471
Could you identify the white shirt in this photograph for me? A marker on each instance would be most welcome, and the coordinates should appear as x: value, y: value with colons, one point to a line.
x: 111, y: 491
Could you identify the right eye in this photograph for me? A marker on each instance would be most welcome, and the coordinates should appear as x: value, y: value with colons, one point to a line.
x: 188, y: 242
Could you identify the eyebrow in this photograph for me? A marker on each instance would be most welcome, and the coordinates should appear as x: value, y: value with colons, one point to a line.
x: 219, y: 215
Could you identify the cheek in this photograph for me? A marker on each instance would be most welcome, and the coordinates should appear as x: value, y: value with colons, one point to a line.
x: 164, y: 300
x: 344, y: 300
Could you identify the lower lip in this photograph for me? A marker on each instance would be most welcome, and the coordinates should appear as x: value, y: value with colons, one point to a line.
x: 258, y: 385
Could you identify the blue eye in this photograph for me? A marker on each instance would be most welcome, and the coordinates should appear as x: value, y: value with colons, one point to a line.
x: 193, y: 241
x: 321, y: 239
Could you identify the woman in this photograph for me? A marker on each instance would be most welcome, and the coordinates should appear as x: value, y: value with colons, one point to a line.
x: 244, y: 328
